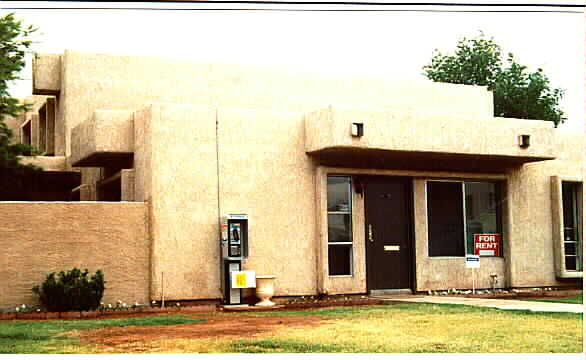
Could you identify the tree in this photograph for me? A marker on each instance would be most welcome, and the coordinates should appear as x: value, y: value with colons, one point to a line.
x: 518, y: 93
x: 14, y: 43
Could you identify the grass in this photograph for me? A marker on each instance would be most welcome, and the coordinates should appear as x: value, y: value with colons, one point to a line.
x: 409, y: 328
x: 44, y: 336
x: 574, y: 299
x: 424, y: 328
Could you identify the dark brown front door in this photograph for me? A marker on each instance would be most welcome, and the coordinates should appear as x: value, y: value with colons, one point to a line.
x: 389, y: 251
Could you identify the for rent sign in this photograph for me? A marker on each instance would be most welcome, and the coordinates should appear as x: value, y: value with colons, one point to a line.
x: 487, y: 244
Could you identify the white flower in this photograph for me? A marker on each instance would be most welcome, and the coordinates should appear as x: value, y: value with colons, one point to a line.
x: 38, y: 310
x: 124, y: 305
x: 17, y: 309
x: 178, y: 304
x: 110, y: 306
x: 23, y: 306
x: 136, y: 303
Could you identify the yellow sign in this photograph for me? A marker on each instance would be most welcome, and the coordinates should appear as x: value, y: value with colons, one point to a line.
x: 392, y: 247
x: 243, y: 279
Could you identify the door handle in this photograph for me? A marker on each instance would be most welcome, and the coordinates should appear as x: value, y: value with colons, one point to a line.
x: 370, y: 238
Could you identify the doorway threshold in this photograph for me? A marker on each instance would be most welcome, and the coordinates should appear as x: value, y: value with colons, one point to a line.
x: 383, y: 292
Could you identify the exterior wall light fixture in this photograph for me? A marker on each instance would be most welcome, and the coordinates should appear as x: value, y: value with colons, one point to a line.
x: 524, y: 141
x: 357, y: 129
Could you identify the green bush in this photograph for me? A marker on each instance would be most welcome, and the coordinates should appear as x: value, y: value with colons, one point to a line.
x: 71, y: 291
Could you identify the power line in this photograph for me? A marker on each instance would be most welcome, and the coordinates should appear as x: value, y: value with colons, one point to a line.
x: 299, y: 10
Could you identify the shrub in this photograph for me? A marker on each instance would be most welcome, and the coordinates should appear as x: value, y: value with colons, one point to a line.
x: 71, y: 291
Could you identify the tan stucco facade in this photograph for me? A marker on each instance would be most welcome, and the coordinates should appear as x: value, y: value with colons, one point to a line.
x: 198, y: 141
x: 42, y: 237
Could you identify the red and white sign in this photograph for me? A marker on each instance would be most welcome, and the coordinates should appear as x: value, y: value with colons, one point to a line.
x: 487, y: 244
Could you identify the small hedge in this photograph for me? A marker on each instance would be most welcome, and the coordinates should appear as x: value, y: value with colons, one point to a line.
x: 73, y: 290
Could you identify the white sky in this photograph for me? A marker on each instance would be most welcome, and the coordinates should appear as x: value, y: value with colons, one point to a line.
x: 397, y: 43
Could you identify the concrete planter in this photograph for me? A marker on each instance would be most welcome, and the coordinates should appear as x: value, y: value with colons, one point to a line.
x: 265, y: 289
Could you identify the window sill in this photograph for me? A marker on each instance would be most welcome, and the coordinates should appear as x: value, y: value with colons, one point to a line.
x: 340, y: 276
x: 568, y: 274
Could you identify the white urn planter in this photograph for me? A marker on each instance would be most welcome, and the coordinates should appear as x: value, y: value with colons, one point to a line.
x: 265, y: 289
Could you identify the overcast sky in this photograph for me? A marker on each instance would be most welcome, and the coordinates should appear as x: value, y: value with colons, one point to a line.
x: 397, y: 43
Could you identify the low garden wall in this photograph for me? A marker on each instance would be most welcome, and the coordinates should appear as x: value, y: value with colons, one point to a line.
x: 41, y: 237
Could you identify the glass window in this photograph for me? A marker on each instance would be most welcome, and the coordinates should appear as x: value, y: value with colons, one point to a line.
x: 482, y: 211
x: 572, y: 237
x: 445, y: 218
x: 339, y: 225
x: 457, y: 211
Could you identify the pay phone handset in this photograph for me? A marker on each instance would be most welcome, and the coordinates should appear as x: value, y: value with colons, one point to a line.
x: 234, y: 240
x: 234, y: 236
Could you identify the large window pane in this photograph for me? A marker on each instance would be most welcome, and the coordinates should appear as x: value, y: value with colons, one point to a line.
x: 339, y: 229
x: 339, y: 206
x: 340, y: 259
x: 445, y: 218
x: 338, y: 193
x: 482, y: 211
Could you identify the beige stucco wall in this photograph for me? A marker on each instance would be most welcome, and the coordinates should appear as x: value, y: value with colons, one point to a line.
x: 106, y: 131
x: 47, y: 74
x: 42, y: 237
x: 531, y: 244
x: 418, y: 131
x: 243, y: 150
x: 47, y: 163
x: 263, y: 172
x: 89, y: 82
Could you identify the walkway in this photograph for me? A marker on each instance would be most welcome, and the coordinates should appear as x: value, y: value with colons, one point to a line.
x: 504, y: 304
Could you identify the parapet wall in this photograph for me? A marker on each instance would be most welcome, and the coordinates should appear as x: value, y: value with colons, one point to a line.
x: 42, y: 237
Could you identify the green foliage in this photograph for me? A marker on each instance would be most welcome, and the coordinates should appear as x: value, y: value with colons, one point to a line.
x: 71, y: 290
x: 14, y: 44
x: 518, y: 93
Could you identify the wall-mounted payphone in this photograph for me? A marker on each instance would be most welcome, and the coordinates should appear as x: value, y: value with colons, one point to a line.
x: 234, y: 248
x: 235, y: 237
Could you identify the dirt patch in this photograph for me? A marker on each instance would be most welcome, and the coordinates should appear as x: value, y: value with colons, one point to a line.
x: 216, y: 326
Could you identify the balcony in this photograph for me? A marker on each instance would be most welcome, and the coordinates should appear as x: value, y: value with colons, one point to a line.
x: 105, y: 140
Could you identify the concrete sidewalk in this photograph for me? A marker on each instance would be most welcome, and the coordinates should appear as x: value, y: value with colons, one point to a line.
x: 504, y: 304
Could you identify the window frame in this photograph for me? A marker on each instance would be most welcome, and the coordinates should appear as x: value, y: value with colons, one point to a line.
x: 499, y: 194
x: 349, y: 212
x: 577, y: 193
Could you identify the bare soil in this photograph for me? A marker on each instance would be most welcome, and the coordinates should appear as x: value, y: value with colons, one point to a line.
x: 137, y: 338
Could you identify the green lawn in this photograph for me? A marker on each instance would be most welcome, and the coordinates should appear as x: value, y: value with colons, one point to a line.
x: 575, y: 299
x: 408, y: 328
x: 42, y: 336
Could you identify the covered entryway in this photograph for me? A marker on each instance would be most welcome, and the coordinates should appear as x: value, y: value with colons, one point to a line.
x: 389, y: 245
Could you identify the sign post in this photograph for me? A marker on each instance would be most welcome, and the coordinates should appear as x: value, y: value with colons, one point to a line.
x: 473, y: 262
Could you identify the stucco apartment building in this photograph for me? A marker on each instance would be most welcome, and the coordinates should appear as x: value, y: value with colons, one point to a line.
x: 351, y: 184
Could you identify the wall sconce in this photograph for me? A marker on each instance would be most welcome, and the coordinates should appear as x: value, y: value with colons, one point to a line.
x: 357, y: 129
x: 524, y: 141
